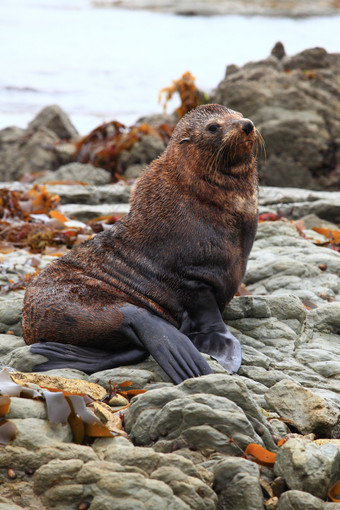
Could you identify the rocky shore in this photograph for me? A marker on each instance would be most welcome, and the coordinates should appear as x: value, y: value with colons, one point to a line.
x: 265, y: 438
x: 186, y: 443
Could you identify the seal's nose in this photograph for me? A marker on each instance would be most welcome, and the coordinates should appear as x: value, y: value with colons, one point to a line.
x: 247, y: 127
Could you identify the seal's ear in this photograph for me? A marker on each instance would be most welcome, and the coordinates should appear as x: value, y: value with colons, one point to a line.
x: 185, y: 140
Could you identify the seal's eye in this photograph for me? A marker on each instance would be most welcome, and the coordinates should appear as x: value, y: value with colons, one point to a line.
x: 213, y: 128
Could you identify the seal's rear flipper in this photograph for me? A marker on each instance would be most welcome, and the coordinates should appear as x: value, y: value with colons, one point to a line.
x: 221, y: 345
x: 142, y: 333
x: 86, y: 359
x: 172, y: 350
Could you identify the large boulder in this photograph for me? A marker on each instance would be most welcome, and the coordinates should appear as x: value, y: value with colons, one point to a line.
x: 295, y: 104
x: 55, y: 119
x: 44, y: 145
x: 10, y: 140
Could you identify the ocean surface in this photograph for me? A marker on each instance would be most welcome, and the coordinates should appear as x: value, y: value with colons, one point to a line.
x: 101, y: 64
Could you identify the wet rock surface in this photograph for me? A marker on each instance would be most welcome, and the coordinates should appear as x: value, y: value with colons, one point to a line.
x: 187, y: 441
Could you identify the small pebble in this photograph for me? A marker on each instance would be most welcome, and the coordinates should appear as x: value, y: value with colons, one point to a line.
x: 83, y: 506
x: 11, y: 474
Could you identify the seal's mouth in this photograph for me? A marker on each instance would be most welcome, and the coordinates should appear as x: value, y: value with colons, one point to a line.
x: 249, y: 141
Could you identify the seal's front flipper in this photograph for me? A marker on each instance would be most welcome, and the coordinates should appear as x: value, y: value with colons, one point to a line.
x: 221, y: 345
x: 86, y: 359
x: 203, y: 324
x: 172, y: 350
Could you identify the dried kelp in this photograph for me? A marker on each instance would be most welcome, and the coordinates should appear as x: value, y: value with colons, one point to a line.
x: 104, y: 144
x: 188, y: 93
x: 62, y: 407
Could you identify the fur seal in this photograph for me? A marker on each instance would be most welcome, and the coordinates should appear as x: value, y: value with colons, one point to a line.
x: 157, y: 281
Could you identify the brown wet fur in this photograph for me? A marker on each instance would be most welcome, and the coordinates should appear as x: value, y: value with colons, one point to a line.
x: 193, y: 218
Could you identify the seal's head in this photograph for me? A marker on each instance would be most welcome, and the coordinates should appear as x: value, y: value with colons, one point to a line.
x: 217, y: 138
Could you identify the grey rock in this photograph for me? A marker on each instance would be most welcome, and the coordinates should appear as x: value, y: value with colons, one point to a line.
x: 311, y: 221
x: 192, y: 491
x: 142, y: 152
x: 146, y: 459
x: 327, y: 209
x: 278, y: 428
x: 308, y: 467
x: 307, y: 411
x: 38, y: 148
x: 257, y: 390
x: 139, y: 377
x: 66, y: 484
x: 237, y: 483
x: 55, y: 119
x: 278, y: 51
x: 158, y: 119
x: 313, y: 58
x: 22, y: 359
x: 88, y: 212
x: 74, y: 193
x: 19, y: 494
x: 277, y: 102
x: 325, y: 319
x: 65, y: 152
x: 56, y: 468
x: 264, y: 377
x: 297, y: 203
x: 10, y: 314
x: 10, y: 139
x: 205, y: 413
x: 134, y: 171
x: 6, y: 504
x: 283, y: 307
x: 114, y: 193
x: 10, y: 342
x: 91, y: 195
x: 319, y: 359
x: 69, y: 373
x: 79, y: 172
x: 33, y: 431
x: 23, y: 408
x: 37, y: 153
x: 10, y: 135
x: 20, y: 458
x: 299, y: 500
x: 251, y: 357
x: 283, y: 262
x: 185, y: 478
x: 269, y: 195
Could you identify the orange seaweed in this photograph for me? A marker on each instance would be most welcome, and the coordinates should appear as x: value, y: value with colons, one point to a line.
x: 334, y: 492
x: 102, y: 146
x: 260, y: 455
x: 5, y: 403
x: 58, y: 216
x: 188, y: 93
x: 333, y: 235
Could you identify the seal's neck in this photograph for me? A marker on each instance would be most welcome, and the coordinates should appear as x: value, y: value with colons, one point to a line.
x: 209, y: 184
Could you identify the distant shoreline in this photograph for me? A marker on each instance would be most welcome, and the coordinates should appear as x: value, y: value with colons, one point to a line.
x: 293, y: 9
